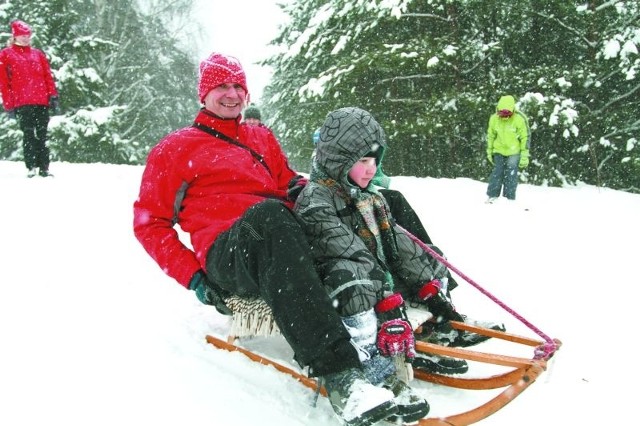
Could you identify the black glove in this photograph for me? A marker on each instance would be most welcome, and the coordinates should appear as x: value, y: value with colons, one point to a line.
x: 54, y: 105
x: 296, y: 185
x: 11, y: 114
x: 208, y: 292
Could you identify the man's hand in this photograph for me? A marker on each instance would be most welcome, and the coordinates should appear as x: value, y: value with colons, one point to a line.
x: 54, y: 105
x: 296, y: 185
x: 524, y: 159
x: 208, y: 292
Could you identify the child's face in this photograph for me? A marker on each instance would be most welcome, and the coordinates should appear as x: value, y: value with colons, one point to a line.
x: 363, y: 171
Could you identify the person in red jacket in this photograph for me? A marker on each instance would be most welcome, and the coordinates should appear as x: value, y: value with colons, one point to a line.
x: 28, y: 93
x: 227, y: 184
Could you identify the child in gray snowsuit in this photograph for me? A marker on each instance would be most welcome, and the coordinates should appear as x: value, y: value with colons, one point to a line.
x: 368, y: 264
x: 357, y: 251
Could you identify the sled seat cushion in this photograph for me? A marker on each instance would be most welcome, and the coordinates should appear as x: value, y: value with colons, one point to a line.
x: 251, y: 317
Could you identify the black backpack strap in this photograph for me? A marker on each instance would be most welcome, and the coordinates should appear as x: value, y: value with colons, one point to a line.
x: 217, y: 134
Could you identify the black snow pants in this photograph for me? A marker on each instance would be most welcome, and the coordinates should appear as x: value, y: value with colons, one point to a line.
x: 266, y: 254
x: 33, y: 121
x: 406, y: 217
x: 404, y: 214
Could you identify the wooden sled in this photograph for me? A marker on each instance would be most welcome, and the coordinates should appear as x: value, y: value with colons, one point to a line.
x: 522, y: 374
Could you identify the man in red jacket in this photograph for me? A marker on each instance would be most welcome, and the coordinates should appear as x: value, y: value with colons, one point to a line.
x: 227, y: 185
x: 28, y: 92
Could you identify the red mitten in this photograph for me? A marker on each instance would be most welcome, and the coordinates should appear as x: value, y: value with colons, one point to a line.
x: 395, y: 337
x: 429, y: 289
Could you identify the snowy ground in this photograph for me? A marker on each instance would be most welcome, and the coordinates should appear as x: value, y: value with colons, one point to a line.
x: 93, y: 333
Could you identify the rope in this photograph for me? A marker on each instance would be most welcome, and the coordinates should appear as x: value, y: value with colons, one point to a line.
x: 544, y: 351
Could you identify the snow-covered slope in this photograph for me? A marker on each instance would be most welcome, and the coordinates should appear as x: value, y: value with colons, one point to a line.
x: 93, y: 333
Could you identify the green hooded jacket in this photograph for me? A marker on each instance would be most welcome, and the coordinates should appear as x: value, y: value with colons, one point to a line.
x: 508, y: 136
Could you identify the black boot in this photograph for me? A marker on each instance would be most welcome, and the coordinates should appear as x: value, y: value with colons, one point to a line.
x: 355, y: 400
x: 411, y: 405
x: 440, y: 364
x: 443, y: 333
x: 381, y: 371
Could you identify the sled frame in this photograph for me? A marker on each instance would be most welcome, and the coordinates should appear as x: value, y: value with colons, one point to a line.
x: 524, y: 372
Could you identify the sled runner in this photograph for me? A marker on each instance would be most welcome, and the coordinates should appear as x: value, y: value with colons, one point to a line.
x: 521, y: 374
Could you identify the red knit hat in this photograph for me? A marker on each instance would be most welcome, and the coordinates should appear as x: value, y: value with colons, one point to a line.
x: 19, y: 28
x: 219, y: 69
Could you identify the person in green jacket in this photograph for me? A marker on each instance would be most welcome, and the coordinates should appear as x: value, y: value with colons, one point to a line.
x: 507, y: 148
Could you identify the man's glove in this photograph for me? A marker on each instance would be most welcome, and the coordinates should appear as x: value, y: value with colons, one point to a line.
x: 395, y: 336
x: 11, y: 114
x: 430, y: 289
x: 208, y: 292
x: 490, y: 156
x: 296, y: 185
x: 524, y: 159
x: 54, y: 105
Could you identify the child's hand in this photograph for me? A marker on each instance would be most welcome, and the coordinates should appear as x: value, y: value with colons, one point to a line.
x: 429, y: 289
x: 395, y: 337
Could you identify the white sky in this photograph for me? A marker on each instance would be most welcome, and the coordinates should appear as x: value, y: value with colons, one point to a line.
x: 94, y: 333
x: 241, y: 28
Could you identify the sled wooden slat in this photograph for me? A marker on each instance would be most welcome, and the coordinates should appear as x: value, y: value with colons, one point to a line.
x: 472, y: 383
x: 495, y: 333
x: 504, y: 360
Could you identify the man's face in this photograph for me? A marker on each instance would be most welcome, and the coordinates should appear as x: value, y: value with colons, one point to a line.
x: 226, y: 100
x: 252, y: 121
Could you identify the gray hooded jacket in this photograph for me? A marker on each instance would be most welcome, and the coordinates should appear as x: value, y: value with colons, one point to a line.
x: 355, y: 276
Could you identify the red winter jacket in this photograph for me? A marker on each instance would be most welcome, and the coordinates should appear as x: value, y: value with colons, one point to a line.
x: 204, y: 184
x: 25, y: 77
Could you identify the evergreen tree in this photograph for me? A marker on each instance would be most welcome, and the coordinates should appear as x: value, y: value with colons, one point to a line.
x: 432, y: 71
x: 123, y: 84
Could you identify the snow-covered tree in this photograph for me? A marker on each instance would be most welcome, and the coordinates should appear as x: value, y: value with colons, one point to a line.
x: 122, y: 80
x: 432, y: 71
